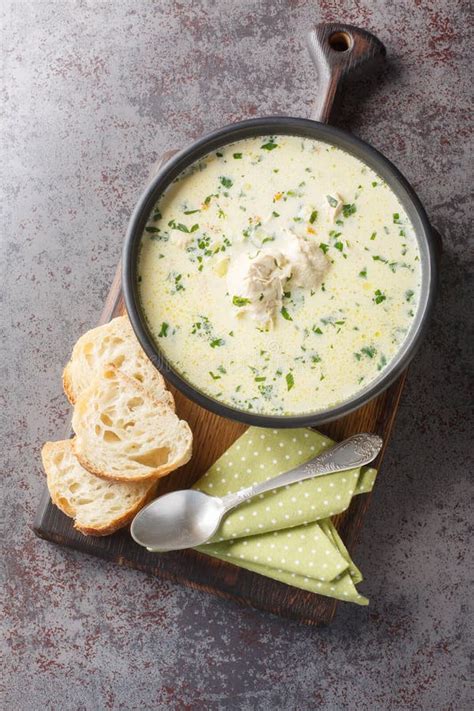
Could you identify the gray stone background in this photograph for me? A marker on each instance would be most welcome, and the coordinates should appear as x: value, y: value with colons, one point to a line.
x: 93, y: 92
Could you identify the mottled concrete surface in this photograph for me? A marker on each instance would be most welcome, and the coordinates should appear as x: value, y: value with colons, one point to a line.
x: 93, y: 93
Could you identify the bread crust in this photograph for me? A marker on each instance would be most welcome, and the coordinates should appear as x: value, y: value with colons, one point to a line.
x: 120, y: 522
x: 106, y: 476
x: 67, y: 384
x: 47, y: 453
x: 68, y: 466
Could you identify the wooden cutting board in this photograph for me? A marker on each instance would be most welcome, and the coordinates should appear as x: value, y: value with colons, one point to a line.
x: 212, y: 436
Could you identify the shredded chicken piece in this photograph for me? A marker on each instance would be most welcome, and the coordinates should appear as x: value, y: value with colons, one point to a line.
x: 256, y: 285
x: 335, y: 211
x: 259, y: 283
x: 307, y: 262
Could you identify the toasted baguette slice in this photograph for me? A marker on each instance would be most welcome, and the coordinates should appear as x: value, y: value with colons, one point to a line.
x: 114, y: 343
x: 98, y: 507
x: 125, y: 434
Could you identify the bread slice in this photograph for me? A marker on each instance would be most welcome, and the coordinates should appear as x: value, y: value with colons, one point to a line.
x: 125, y: 434
x: 98, y: 507
x: 114, y: 343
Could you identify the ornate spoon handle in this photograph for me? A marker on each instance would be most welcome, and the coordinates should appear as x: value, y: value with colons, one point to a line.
x: 350, y: 454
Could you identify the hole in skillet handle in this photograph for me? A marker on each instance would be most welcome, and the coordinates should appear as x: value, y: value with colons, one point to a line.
x: 341, y: 41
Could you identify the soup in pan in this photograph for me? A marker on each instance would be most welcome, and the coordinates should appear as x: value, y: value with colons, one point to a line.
x: 279, y: 275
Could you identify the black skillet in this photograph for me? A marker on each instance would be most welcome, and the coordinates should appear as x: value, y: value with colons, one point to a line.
x: 337, y: 50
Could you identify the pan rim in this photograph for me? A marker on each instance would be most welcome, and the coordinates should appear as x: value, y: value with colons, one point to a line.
x: 283, y: 125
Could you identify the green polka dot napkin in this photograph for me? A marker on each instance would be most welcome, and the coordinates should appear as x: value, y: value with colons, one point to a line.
x: 286, y: 533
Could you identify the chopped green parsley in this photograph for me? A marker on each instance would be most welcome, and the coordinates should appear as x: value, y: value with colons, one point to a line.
x: 182, y: 228
x: 270, y: 145
x: 348, y: 210
x: 240, y: 301
x: 226, y: 182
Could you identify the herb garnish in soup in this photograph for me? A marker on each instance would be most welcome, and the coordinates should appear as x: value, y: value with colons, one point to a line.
x: 279, y: 275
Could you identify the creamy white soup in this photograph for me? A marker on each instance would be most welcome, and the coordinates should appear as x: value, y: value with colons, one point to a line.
x: 279, y: 275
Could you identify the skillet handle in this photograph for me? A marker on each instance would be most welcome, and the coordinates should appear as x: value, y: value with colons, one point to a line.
x: 338, y: 50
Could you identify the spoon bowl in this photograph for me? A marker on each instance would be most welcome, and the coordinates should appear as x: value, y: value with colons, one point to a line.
x: 182, y: 519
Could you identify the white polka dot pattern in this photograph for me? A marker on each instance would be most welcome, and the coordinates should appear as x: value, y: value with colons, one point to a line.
x: 269, y: 453
x: 309, y: 554
x: 321, y: 565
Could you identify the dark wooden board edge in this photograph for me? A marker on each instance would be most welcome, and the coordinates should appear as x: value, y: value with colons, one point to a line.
x: 189, y: 568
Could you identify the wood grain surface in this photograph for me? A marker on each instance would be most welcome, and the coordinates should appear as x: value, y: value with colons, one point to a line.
x: 339, y: 51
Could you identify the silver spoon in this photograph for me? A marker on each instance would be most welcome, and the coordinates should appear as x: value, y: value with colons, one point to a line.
x: 189, y: 518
